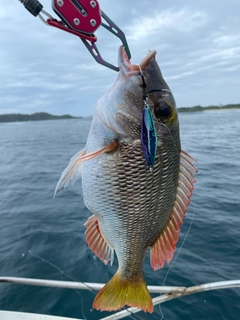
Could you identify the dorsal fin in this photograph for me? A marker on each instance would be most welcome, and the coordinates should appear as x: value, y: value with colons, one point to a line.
x: 165, y: 245
x: 97, y: 242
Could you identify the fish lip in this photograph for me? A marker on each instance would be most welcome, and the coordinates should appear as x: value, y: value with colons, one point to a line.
x: 149, y: 57
x: 129, y: 69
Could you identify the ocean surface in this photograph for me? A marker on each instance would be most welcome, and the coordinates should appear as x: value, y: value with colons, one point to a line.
x: 43, y: 238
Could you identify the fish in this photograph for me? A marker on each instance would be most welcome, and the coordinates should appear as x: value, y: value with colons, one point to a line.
x: 134, y: 207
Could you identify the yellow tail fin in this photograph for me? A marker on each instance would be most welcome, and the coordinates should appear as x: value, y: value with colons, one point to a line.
x: 119, y: 292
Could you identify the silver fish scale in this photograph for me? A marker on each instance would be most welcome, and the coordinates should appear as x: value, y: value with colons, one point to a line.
x: 131, y: 203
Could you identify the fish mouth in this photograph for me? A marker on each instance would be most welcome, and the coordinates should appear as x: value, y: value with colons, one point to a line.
x: 131, y: 69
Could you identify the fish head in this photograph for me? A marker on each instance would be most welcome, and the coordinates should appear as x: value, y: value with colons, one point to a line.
x: 135, y: 86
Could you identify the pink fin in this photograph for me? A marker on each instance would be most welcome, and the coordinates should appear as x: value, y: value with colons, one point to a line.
x: 111, y: 147
x: 186, y: 155
x: 73, y: 171
x: 97, y: 242
x: 165, y: 246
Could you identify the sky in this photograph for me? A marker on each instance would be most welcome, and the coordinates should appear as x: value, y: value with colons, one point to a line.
x: 43, y: 69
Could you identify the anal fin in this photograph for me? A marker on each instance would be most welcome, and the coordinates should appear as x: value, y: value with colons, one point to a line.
x: 97, y: 242
x: 165, y: 245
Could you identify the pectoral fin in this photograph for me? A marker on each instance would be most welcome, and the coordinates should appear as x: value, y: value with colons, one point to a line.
x: 73, y: 171
x: 165, y: 245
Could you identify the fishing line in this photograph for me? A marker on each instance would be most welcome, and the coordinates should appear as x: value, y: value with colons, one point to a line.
x: 174, y: 260
x: 149, y: 137
x: 60, y: 270
x: 165, y: 126
x: 148, y: 127
x: 131, y: 315
x: 145, y: 93
x: 145, y: 98
x: 68, y: 276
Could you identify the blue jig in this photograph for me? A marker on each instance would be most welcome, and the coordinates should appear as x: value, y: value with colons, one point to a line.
x: 148, y: 137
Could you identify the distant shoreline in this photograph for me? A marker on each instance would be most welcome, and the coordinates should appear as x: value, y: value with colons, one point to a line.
x: 38, y: 116
x: 210, y: 108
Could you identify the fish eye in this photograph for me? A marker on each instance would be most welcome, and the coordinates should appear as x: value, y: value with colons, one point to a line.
x: 163, y: 111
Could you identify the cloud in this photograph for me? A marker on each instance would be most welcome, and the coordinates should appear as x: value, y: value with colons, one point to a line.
x: 45, y: 69
x: 180, y: 75
x: 223, y: 40
x: 184, y: 20
x: 90, y: 67
x: 7, y: 9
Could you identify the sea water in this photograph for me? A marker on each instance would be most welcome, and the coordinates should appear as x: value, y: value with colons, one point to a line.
x: 43, y: 238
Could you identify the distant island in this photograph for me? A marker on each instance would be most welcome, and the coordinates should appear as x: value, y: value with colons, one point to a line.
x: 200, y: 108
x: 15, y: 117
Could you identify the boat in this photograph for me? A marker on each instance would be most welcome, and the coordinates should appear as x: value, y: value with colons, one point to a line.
x: 166, y: 293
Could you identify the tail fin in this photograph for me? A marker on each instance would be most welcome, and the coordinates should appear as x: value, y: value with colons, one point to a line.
x: 119, y: 292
